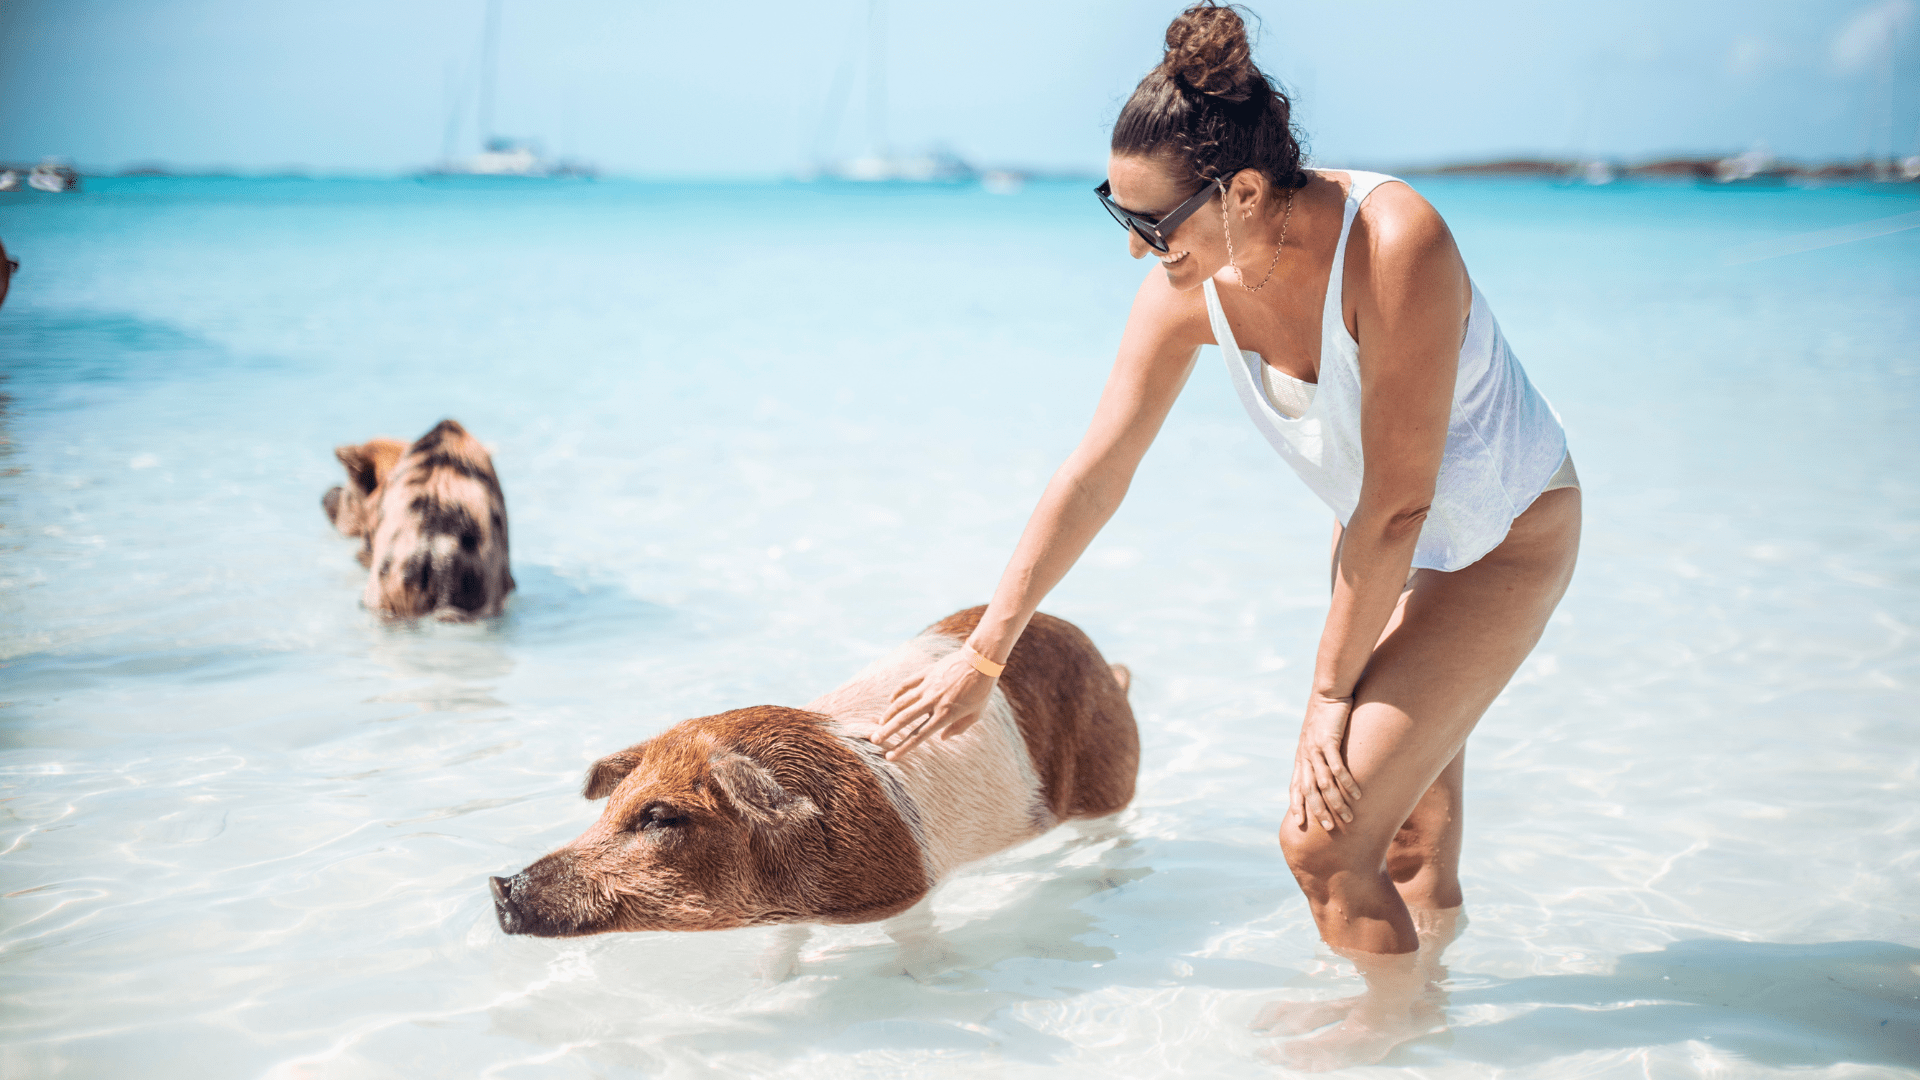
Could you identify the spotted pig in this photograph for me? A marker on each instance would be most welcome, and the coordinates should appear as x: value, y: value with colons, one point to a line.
x: 779, y: 815
x: 432, y: 521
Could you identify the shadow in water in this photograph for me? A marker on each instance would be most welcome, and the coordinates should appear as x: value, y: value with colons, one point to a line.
x: 548, y: 608
x: 460, y: 662
x: 1039, y: 915
x: 53, y: 350
x: 1778, y: 1005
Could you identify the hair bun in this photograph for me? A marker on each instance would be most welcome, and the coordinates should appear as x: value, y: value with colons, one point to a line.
x: 1207, y: 50
x: 1206, y: 109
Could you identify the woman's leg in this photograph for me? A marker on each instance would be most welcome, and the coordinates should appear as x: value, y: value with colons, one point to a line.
x: 1424, y: 863
x: 1455, y: 642
x: 1448, y: 652
x: 1424, y: 858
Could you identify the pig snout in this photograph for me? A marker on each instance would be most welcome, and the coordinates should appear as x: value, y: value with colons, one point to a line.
x: 512, y: 919
x: 538, y: 902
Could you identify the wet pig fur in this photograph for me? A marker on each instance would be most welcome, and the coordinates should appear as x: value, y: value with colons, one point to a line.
x: 432, y: 521
x: 773, y: 815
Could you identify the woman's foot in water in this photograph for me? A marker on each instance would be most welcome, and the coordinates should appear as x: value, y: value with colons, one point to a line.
x: 1365, y: 1037
x: 1404, y: 1000
x: 1300, y: 1017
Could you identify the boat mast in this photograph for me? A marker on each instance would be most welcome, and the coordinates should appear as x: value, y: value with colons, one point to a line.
x: 456, y: 105
x: 489, y: 60
x: 877, y: 78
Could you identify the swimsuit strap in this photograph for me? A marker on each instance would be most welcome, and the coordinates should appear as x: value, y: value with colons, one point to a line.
x: 1332, y: 316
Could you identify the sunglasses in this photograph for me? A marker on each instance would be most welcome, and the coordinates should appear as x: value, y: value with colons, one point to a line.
x: 1156, y: 232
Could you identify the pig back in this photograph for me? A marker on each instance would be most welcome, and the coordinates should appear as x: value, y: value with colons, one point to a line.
x: 1073, y: 714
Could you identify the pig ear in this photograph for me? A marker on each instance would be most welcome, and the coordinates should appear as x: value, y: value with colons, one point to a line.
x: 752, y: 788
x: 605, y: 775
x: 360, y: 467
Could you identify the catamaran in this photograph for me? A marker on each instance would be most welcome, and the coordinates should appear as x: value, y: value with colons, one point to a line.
x: 499, y: 156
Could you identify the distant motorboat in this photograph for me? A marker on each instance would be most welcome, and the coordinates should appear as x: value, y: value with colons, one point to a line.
x: 1755, y: 168
x: 46, y: 180
x: 52, y: 176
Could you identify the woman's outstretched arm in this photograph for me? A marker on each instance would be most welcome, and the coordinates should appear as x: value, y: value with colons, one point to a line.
x: 1156, y: 354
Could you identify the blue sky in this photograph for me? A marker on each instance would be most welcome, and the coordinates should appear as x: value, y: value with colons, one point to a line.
x: 742, y: 88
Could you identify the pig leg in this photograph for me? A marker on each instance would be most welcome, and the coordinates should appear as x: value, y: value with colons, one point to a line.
x: 781, y: 961
x: 923, y: 953
x: 1090, y: 831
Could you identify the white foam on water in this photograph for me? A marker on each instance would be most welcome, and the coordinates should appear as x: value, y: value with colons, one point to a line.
x: 753, y: 437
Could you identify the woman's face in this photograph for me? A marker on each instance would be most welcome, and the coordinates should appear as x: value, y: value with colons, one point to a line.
x: 1146, y: 185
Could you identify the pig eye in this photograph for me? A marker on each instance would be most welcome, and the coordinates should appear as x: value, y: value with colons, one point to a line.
x: 660, y: 817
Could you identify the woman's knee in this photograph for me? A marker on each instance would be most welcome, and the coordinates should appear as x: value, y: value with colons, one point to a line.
x: 1421, y: 839
x: 1317, y: 857
x: 1411, y: 853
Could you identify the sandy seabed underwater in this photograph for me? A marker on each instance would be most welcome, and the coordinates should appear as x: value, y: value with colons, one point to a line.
x: 751, y: 437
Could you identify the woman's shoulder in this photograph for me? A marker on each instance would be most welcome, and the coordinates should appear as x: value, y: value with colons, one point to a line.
x: 1395, y: 221
x: 1177, y: 317
x: 1401, y: 252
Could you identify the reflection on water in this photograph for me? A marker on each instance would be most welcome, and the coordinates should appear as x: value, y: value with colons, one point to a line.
x: 247, y: 826
x: 1780, y: 1006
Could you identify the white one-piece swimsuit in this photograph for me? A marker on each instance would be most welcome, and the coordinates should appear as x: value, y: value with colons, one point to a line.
x: 1505, y: 444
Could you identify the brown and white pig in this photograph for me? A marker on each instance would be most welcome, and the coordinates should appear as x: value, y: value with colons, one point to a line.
x: 433, y: 523
x: 778, y: 815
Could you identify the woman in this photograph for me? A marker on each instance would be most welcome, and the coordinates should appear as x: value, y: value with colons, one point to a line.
x: 1363, y: 352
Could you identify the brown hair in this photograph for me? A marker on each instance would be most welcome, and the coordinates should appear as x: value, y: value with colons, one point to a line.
x: 1209, y: 107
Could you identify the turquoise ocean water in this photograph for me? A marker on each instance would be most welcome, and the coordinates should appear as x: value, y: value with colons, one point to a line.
x: 754, y: 435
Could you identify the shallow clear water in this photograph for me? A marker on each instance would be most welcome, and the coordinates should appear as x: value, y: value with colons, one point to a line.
x: 753, y: 436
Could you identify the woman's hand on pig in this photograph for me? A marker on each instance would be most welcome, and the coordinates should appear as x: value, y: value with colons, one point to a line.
x: 944, y: 700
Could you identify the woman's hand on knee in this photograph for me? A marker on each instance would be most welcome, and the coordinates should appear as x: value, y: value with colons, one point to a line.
x: 944, y: 700
x: 1322, y: 789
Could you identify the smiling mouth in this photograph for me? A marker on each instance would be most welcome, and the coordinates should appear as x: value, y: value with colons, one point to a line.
x: 1170, y: 259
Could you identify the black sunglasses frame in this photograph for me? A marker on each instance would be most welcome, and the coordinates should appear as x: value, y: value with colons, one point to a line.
x: 1156, y: 232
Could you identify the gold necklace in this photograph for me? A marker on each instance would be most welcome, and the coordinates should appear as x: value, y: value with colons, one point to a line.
x: 1224, y: 227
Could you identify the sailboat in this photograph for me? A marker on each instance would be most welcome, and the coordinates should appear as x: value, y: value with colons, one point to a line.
x: 879, y: 163
x: 512, y: 158
x: 499, y: 156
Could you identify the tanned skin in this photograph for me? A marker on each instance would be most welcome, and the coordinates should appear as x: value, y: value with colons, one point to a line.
x: 1406, y: 665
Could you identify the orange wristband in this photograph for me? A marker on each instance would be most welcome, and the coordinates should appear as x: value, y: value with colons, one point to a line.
x: 981, y: 664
